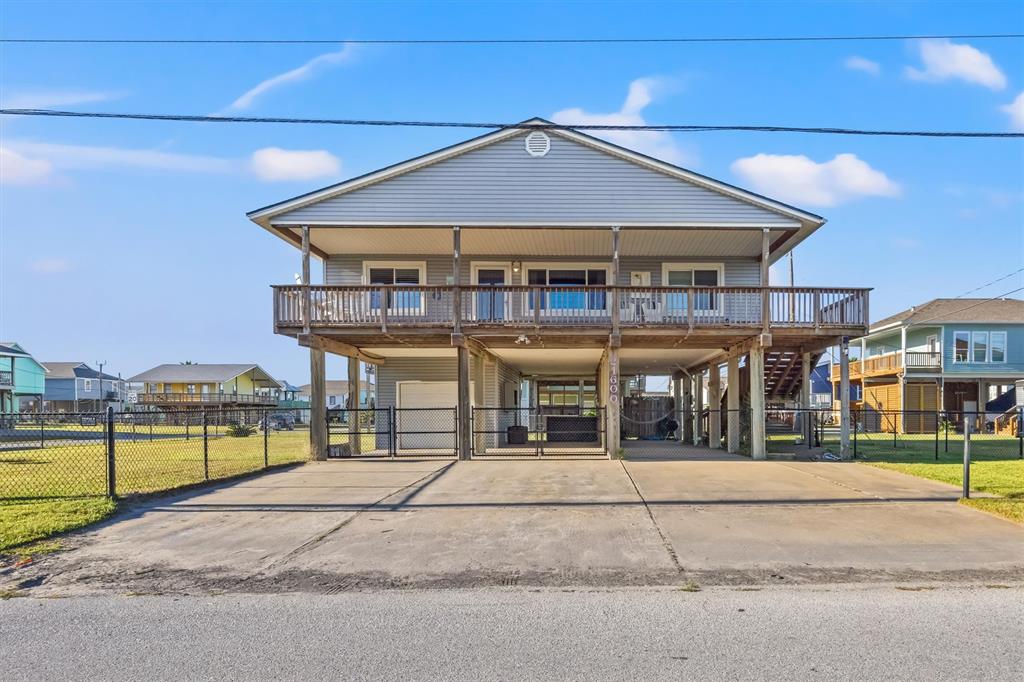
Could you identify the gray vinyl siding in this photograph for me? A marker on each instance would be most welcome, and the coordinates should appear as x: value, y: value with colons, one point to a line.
x: 573, y: 183
x: 348, y: 269
x: 59, y: 389
x: 411, y: 369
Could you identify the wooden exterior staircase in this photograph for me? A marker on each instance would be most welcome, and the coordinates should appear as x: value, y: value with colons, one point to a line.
x: 783, y: 373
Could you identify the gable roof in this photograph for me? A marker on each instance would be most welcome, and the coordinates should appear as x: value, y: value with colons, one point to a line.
x: 12, y: 348
x: 940, y: 310
x: 72, y: 370
x: 199, y: 373
x: 789, y: 217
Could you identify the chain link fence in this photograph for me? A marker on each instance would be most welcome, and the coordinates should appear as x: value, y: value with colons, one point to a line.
x: 61, y: 455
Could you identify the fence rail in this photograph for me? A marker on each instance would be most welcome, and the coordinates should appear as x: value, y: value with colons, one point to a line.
x: 53, y: 455
x: 574, y: 306
x: 204, y: 398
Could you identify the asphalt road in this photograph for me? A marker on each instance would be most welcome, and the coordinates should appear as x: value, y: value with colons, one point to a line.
x: 867, y: 633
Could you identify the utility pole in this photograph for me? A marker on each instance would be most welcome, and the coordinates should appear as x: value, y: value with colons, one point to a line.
x: 100, y: 364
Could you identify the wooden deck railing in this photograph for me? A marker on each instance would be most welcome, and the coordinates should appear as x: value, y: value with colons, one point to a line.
x: 573, y: 306
x: 6, y: 377
x: 205, y: 398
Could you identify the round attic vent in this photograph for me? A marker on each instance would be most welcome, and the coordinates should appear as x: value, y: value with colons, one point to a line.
x: 538, y: 144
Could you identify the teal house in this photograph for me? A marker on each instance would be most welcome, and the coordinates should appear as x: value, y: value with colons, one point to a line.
x: 22, y: 379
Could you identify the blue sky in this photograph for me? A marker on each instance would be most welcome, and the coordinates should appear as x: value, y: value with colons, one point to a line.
x: 127, y: 241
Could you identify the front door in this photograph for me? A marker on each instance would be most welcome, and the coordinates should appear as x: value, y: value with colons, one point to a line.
x: 490, y: 305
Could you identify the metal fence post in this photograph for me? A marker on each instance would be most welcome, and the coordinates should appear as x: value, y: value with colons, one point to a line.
x: 266, y: 438
x: 392, y: 432
x: 937, y: 424
x: 111, y: 462
x: 42, y: 431
x: 1020, y: 434
x: 855, y: 430
x: 945, y: 430
x: 967, y: 458
x: 206, y: 448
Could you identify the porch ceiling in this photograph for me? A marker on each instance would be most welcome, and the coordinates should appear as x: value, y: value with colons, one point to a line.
x: 551, y: 361
x: 539, y: 242
x: 661, y: 360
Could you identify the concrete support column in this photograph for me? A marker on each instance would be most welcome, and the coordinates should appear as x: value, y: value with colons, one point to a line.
x: 677, y: 398
x: 844, y: 399
x: 698, y: 407
x: 715, y: 407
x: 465, y: 433
x: 317, y: 405
x: 758, y: 443
x: 612, y: 411
x: 732, y: 403
x: 354, y: 389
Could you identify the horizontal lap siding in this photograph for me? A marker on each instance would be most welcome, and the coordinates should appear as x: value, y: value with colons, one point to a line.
x: 501, y: 182
x: 411, y: 369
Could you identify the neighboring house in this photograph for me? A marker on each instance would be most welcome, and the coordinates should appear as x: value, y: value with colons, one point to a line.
x: 544, y: 267
x: 22, y: 379
x: 822, y: 394
x: 953, y: 355
x: 75, y: 387
x: 288, y: 396
x: 337, y: 394
x: 197, y: 385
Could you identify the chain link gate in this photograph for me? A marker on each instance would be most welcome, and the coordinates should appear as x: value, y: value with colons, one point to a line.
x: 392, y: 432
x: 525, y: 433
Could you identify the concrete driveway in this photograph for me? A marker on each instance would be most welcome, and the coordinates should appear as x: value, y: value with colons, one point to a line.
x: 339, y: 525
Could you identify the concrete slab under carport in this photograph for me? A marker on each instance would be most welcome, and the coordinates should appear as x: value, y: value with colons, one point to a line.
x: 748, y: 516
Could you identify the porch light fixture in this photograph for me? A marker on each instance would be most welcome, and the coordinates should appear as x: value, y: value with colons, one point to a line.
x: 517, y: 265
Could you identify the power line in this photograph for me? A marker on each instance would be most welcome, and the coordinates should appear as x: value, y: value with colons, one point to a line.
x: 507, y: 41
x: 995, y: 281
x: 968, y: 307
x: 505, y: 126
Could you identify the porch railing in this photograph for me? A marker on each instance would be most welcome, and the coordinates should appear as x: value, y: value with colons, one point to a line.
x: 204, y: 398
x: 6, y: 377
x: 573, y: 306
x: 891, y: 363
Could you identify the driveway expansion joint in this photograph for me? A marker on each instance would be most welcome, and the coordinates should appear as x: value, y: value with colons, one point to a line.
x: 664, y: 538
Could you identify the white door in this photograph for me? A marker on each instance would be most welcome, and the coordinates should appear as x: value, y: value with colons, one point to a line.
x: 413, y: 418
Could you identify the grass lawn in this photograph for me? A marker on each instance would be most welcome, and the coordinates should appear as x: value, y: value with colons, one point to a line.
x: 995, y: 468
x: 25, y: 521
x: 49, y: 490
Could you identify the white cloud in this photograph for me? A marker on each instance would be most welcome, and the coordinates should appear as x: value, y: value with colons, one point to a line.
x: 49, y: 266
x: 856, y: 63
x: 1015, y: 110
x: 944, y: 60
x: 800, y: 180
x: 642, y: 92
x: 84, y: 157
x: 17, y: 169
x: 47, y: 99
x: 274, y: 163
x: 297, y: 74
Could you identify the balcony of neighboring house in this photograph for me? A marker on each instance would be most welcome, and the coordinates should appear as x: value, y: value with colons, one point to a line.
x: 479, y: 309
x: 6, y: 378
x: 892, y: 363
x: 197, y: 399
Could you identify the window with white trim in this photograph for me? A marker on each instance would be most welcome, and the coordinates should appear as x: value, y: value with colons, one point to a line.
x: 979, y: 346
x: 565, y: 278
x: 696, y: 275
x: 86, y: 385
x: 961, y: 346
x: 997, y: 347
x: 396, y: 274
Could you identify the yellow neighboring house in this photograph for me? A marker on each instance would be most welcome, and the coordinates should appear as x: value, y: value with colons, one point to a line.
x: 194, y: 385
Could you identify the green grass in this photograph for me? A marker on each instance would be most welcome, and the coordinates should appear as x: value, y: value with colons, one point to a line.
x: 44, y: 491
x: 995, y: 466
x: 25, y: 521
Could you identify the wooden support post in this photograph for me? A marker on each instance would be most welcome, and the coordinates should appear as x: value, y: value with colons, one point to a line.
x: 456, y: 279
x: 806, y: 419
x: 766, y: 306
x: 465, y: 430
x: 686, y: 424
x: 732, y: 400
x: 758, y: 443
x: 354, y: 431
x: 307, y: 296
x: 615, y: 281
x: 317, y: 405
x: 844, y: 399
x: 612, y: 434
x: 715, y: 406
x: 677, y: 397
x: 698, y: 407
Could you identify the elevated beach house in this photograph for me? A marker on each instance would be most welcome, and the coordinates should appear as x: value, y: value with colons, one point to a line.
x: 75, y: 386
x: 949, y: 355
x: 22, y: 379
x: 514, y: 283
x: 187, y: 386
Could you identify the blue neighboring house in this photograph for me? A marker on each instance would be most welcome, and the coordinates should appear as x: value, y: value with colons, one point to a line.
x: 954, y: 355
x: 22, y: 379
x: 76, y: 387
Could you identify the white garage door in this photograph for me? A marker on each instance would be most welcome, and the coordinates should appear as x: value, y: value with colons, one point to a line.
x: 419, y: 426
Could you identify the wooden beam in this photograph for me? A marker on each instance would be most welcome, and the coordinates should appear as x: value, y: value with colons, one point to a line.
x: 715, y: 407
x: 307, y: 301
x: 325, y: 343
x: 465, y: 431
x: 317, y: 405
x: 297, y: 241
x: 844, y: 399
x: 758, y: 435
x: 732, y: 404
x: 354, y: 439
